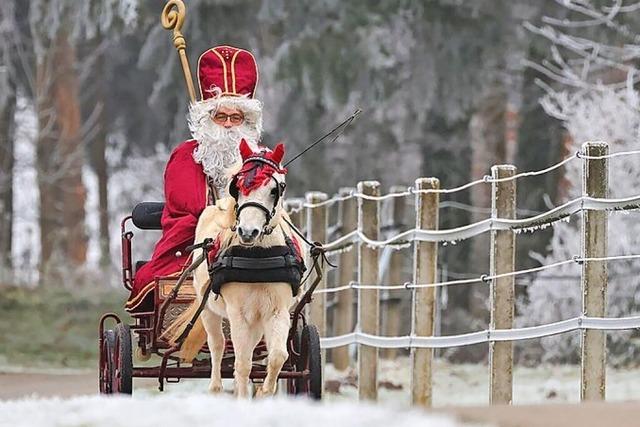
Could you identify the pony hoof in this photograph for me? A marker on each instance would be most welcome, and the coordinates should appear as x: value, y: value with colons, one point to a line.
x: 215, y: 388
x: 261, y: 391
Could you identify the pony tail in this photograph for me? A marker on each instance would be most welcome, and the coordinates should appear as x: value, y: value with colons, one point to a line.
x: 197, y: 337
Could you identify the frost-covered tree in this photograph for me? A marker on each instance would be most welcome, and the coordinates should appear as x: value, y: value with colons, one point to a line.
x: 591, y: 83
x: 7, y: 111
x: 58, y: 31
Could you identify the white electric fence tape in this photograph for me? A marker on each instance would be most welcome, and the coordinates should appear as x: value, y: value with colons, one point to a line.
x: 563, y: 326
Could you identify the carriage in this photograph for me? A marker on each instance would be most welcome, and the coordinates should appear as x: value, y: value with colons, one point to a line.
x: 302, y: 371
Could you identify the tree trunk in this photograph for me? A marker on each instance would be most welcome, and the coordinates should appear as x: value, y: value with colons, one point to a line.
x: 7, y: 110
x: 7, y: 133
x: 60, y: 160
x: 99, y: 162
x: 487, y: 132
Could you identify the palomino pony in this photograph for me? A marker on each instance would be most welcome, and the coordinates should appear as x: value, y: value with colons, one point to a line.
x: 251, y: 219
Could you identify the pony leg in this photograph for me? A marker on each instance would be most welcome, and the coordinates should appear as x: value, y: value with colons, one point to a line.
x: 276, y: 332
x: 215, y: 340
x: 245, y: 337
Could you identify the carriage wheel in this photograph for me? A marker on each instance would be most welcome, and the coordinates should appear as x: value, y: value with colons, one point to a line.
x: 311, y: 360
x: 122, y: 361
x: 106, y: 362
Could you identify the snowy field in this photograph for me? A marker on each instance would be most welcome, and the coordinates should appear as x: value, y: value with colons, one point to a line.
x: 468, y: 384
x: 187, y: 403
x: 462, y: 384
x: 182, y: 409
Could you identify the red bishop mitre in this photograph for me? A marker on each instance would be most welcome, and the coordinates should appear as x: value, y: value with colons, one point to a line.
x: 232, y: 70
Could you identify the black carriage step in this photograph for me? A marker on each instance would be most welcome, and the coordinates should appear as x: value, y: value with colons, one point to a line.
x: 147, y: 215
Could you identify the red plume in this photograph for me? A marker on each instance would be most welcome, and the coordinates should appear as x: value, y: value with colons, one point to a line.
x: 245, y: 150
x: 278, y: 153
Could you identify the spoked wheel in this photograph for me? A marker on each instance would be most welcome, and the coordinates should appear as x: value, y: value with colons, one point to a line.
x: 106, y: 362
x: 311, y: 361
x: 293, y: 384
x: 122, y: 379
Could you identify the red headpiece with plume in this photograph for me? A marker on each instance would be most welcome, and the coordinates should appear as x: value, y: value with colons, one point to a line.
x: 258, y: 167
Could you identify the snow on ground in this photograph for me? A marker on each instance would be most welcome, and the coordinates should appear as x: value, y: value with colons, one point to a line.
x: 179, y: 409
x: 188, y: 403
x: 468, y: 384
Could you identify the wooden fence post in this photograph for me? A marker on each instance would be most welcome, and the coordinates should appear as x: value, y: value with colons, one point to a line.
x: 317, y: 223
x: 425, y: 259
x: 594, y: 274
x: 343, y: 315
x: 296, y: 208
x: 391, y: 313
x: 502, y: 294
x: 369, y: 299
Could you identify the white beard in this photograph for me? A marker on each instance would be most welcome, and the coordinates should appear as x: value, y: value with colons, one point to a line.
x: 218, y: 148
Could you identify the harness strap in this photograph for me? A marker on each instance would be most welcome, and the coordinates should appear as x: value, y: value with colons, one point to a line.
x: 246, y: 263
x: 266, y: 211
x: 196, y: 315
x: 316, y: 247
x: 317, y: 253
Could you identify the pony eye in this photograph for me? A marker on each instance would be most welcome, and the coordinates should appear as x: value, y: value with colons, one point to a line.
x: 274, y: 192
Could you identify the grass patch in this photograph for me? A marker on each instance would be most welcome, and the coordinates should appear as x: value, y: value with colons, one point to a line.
x: 54, y: 327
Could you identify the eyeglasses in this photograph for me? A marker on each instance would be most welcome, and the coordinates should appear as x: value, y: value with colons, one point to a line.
x: 221, y: 118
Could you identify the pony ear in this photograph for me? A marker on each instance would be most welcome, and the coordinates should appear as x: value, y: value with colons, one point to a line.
x: 278, y: 153
x: 245, y: 150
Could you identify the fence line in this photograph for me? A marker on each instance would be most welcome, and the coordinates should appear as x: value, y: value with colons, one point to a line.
x: 485, y: 336
x: 485, y: 278
x: 581, y: 155
x: 483, y: 180
x: 424, y: 238
x: 471, y: 230
x: 468, y: 208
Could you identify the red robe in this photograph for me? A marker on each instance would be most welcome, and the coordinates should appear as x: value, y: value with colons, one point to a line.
x: 185, y: 194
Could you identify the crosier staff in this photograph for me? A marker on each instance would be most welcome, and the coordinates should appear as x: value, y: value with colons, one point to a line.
x: 172, y: 18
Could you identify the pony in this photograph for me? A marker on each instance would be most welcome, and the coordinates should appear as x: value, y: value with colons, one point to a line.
x: 253, y: 217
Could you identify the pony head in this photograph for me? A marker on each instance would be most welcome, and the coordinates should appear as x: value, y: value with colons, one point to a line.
x: 258, y: 189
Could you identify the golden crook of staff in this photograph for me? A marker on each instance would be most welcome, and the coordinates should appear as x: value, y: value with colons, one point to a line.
x: 172, y: 18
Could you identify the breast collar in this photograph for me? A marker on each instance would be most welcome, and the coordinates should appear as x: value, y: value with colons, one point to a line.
x: 259, y: 265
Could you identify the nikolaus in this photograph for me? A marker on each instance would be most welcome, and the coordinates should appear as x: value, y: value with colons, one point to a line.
x: 195, y: 175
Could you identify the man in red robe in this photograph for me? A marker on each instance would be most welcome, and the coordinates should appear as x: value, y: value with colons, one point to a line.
x: 196, y: 173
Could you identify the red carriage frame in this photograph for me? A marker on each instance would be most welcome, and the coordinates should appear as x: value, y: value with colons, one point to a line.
x: 302, y: 370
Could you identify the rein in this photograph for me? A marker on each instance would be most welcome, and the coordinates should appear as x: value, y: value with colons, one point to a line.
x: 316, y: 252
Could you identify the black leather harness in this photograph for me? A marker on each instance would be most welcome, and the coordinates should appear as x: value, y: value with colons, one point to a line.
x: 258, y: 265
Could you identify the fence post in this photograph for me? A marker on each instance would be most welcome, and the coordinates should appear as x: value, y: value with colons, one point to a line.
x: 425, y: 259
x: 295, y: 207
x: 502, y: 294
x: 317, y: 232
x: 391, y: 313
x: 594, y: 274
x: 343, y: 315
x: 368, y: 299
x: 316, y: 225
